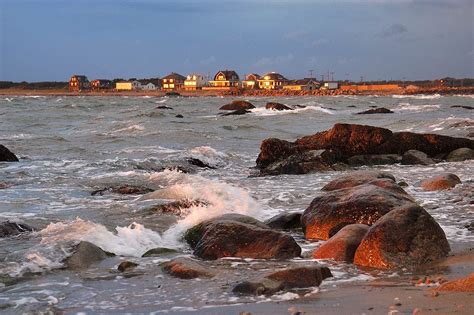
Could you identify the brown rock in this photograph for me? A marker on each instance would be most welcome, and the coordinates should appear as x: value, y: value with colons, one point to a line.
x: 277, y: 106
x: 237, y: 112
x: 374, y: 159
x: 237, y: 104
x: 406, y: 237
x: 353, y: 179
x: 461, y: 154
x: 84, y: 255
x: 440, y: 182
x: 272, y: 150
x: 7, y: 155
x: 185, y: 268
x: 123, y: 190
x: 459, y: 285
x: 125, y: 265
x: 381, y: 110
x: 285, y: 221
x: 343, y: 245
x: 178, y: 207
x: 414, y: 157
x: 8, y: 228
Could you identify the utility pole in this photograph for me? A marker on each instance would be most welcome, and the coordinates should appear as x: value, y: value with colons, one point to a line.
x: 311, y: 73
x: 322, y: 77
x: 332, y: 76
x: 361, y: 78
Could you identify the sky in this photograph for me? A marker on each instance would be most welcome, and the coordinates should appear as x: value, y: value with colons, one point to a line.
x: 49, y: 40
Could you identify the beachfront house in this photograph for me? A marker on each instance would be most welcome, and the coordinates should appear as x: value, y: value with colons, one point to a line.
x: 306, y: 84
x: 128, y: 85
x: 100, y: 84
x: 251, y: 81
x: 194, y: 81
x: 150, y: 86
x: 173, y: 81
x: 225, y: 79
x: 78, y: 83
x: 272, y: 81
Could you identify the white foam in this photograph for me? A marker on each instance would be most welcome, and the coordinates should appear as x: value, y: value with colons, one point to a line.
x: 418, y: 108
x: 131, y: 128
x: 262, y: 111
x: 419, y: 96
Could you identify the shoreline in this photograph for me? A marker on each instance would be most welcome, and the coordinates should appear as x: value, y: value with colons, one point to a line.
x: 243, y: 93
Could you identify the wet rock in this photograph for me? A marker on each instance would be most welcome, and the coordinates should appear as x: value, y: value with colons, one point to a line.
x: 277, y: 106
x: 285, y: 221
x: 227, y: 238
x: 440, y: 182
x: 178, y: 207
x: 123, y: 190
x: 194, y: 234
x: 414, y: 157
x: 6, y: 155
x: 172, y: 94
x: 343, y: 245
x: 8, y: 228
x: 470, y: 226
x: 237, y: 105
x: 84, y: 255
x: 126, y: 265
x: 459, y: 285
x: 179, y: 116
x: 186, y: 268
x: 159, y: 251
x: 290, y: 278
x: 461, y: 154
x: 381, y: 110
x: 374, y: 159
x: 163, y: 107
x: 462, y: 106
x: 4, y: 185
x: 199, y: 163
x: 406, y: 237
x: 353, y: 179
x: 363, y: 204
x: 237, y: 112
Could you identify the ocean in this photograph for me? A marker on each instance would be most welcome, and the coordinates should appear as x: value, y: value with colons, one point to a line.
x: 71, y: 146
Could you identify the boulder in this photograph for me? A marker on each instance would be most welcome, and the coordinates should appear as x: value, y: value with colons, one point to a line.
x: 440, y: 182
x: 353, y: 179
x: 294, y: 277
x: 159, y: 251
x: 285, y: 221
x: 415, y: 157
x: 363, y: 204
x: 381, y: 110
x: 374, y: 159
x: 237, y: 112
x: 199, y: 163
x: 84, y: 254
x: 462, y: 106
x: 277, y: 106
x: 123, y: 190
x: 343, y: 245
x: 179, y: 116
x: 230, y: 238
x: 406, y: 237
x: 178, y: 207
x: 8, y: 228
x: 459, y: 285
x: 7, y: 155
x: 186, y: 268
x: 461, y: 154
x: 126, y: 265
x: 237, y: 104
x: 163, y: 107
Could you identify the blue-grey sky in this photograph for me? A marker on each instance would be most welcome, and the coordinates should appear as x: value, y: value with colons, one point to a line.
x: 378, y: 39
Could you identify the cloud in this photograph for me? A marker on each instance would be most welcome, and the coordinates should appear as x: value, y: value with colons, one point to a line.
x: 274, y: 61
x: 393, y: 30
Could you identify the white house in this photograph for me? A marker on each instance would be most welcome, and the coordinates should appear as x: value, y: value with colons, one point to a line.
x: 149, y: 86
x: 194, y: 81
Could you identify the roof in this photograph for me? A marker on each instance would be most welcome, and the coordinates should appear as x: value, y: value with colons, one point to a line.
x: 228, y: 75
x: 304, y: 81
x: 252, y: 76
x: 80, y: 77
x: 273, y: 76
x: 175, y: 76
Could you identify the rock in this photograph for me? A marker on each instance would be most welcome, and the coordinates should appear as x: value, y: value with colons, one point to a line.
x: 178, y: 207
x: 462, y: 106
x: 7, y: 155
x: 159, y: 251
x: 8, y: 228
x: 380, y: 110
x: 163, y: 107
x: 237, y: 112
x: 84, y: 255
x: 277, y: 106
x: 185, y: 268
x: 179, y: 116
x: 459, y: 285
x: 236, y: 239
x: 172, y: 94
x: 237, y: 104
x: 414, y: 157
x: 406, y: 237
x: 273, y: 150
x: 294, y: 277
x: 123, y: 190
x: 199, y: 163
x: 4, y: 185
x: 285, y: 221
x: 440, y: 182
x: 126, y: 265
x: 194, y: 234
x: 461, y: 154
x: 343, y: 245
x: 363, y: 204
x: 374, y: 159
x: 353, y: 179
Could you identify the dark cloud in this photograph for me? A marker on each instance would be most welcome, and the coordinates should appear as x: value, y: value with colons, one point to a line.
x: 393, y: 30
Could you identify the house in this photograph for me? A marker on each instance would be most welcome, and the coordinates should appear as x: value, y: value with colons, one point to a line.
x: 78, y: 83
x: 330, y: 85
x: 306, y: 84
x: 272, y: 81
x: 150, y: 86
x: 173, y: 81
x: 225, y: 79
x: 128, y: 85
x: 100, y: 84
x: 251, y: 81
x: 194, y: 81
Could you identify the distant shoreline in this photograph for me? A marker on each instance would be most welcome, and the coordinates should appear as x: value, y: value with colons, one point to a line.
x: 241, y: 93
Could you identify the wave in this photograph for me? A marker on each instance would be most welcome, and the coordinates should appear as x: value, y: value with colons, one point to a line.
x: 131, y: 128
x: 261, y: 111
x: 417, y: 108
x: 419, y: 96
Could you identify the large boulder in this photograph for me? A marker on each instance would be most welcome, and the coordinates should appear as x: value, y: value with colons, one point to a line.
x: 84, y: 254
x: 363, y: 204
x: 440, y: 182
x: 285, y: 221
x: 343, y: 245
x: 294, y: 277
x: 380, y: 110
x: 461, y: 154
x: 237, y: 105
x: 406, y: 237
x: 7, y: 155
x: 8, y: 228
x: 353, y: 179
x: 374, y: 159
x: 186, y: 268
x: 415, y: 157
x: 277, y: 106
x: 459, y: 285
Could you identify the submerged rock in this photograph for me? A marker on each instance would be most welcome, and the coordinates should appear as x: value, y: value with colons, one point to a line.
x: 237, y: 112
x: 381, y: 110
x: 159, y: 251
x: 179, y: 116
x: 462, y: 106
x: 8, y: 228
x: 178, y: 207
x: 199, y: 163
x: 415, y: 157
x: 285, y: 221
x: 123, y: 190
x: 277, y: 106
x: 163, y: 107
x: 126, y: 265
x: 84, y: 255
x: 440, y: 182
x: 238, y: 105
x: 406, y: 237
x: 461, y: 154
x: 6, y: 155
x: 185, y: 268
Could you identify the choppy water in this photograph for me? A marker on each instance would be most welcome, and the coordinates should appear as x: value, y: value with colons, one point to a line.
x: 70, y: 146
